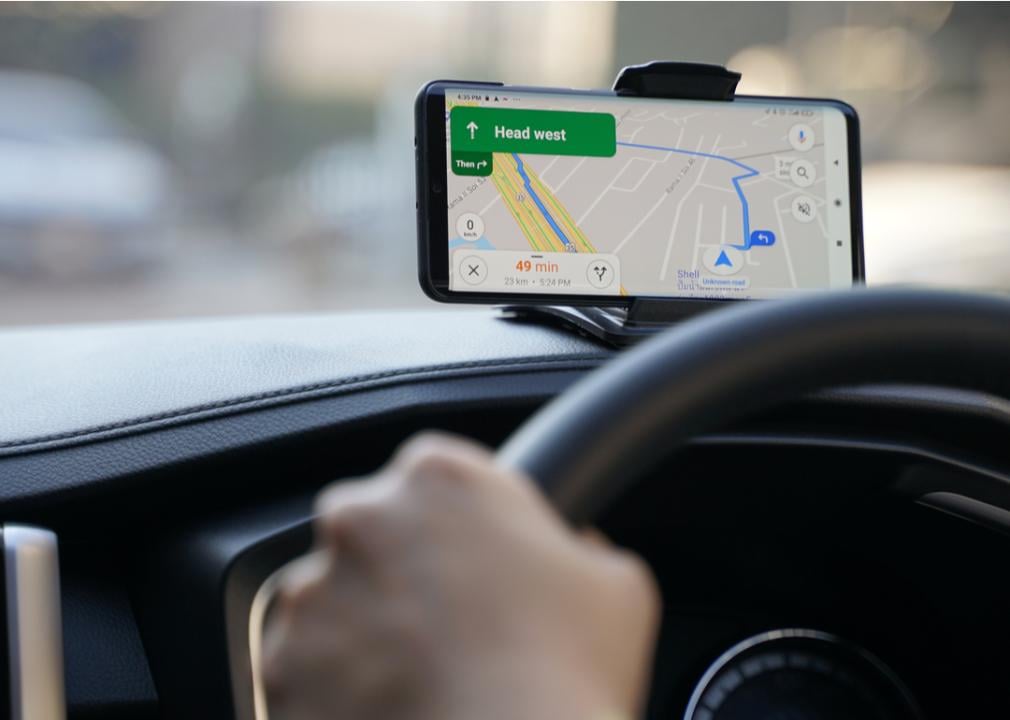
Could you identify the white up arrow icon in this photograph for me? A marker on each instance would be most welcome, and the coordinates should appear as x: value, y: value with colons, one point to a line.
x: 472, y: 127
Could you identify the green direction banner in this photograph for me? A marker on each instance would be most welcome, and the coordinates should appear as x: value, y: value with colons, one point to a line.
x: 538, y: 132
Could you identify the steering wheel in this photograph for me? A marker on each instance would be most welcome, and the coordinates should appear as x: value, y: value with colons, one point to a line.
x: 586, y: 447
x: 589, y: 444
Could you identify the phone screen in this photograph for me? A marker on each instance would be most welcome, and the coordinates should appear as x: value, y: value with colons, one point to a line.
x: 599, y: 194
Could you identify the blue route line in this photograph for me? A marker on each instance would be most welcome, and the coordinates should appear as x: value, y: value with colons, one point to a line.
x: 751, y: 172
x: 539, y: 203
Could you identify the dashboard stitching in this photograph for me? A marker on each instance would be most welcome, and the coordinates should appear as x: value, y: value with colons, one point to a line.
x: 301, y: 390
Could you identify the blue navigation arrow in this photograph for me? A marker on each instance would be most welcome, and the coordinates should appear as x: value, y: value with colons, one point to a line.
x: 764, y: 238
x: 723, y: 259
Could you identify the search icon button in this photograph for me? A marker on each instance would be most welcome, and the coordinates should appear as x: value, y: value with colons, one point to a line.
x: 802, y: 173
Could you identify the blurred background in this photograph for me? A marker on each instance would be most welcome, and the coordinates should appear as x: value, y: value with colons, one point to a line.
x: 165, y: 160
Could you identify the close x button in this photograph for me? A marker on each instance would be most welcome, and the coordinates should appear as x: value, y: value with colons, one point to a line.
x: 473, y: 270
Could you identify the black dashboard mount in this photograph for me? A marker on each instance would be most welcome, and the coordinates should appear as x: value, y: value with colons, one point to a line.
x: 622, y: 326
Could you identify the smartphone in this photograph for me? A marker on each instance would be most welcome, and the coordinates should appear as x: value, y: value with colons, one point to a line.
x: 592, y: 197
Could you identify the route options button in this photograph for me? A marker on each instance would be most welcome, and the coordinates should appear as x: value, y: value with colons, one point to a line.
x: 723, y: 260
x: 600, y: 274
x: 473, y: 270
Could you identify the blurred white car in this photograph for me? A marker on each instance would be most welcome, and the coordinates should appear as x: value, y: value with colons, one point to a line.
x: 78, y: 194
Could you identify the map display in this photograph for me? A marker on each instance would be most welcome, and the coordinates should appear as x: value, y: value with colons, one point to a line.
x: 606, y: 195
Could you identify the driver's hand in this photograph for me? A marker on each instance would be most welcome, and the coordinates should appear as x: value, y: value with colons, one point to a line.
x: 446, y: 587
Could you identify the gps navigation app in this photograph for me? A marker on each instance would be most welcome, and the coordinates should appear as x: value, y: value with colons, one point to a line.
x: 606, y: 195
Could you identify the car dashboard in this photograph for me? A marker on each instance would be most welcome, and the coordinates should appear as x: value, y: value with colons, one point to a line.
x: 176, y: 464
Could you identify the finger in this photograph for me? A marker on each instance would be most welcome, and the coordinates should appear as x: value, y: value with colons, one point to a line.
x: 628, y: 570
x: 306, y: 570
x: 297, y: 589
x: 367, y: 525
x: 303, y: 645
x: 299, y: 579
x: 437, y: 451
x: 349, y: 514
x: 276, y: 634
x: 595, y: 539
x: 446, y: 476
x: 351, y: 491
x: 448, y: 461
x: 633, y: 577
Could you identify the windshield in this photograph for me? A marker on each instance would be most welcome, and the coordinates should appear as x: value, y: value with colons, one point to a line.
x: 178, y: 160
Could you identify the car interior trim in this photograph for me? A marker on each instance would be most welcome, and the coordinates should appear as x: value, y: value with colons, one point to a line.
x: 34, y: 623
x: 293, y: 394
x: 968, y: 508
x: 257, y: 619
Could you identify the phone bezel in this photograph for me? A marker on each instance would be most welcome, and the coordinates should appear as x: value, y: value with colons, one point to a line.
x: 432, y: 227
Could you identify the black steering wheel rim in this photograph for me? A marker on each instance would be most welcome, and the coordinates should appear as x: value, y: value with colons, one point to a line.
x: 585, y: 447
